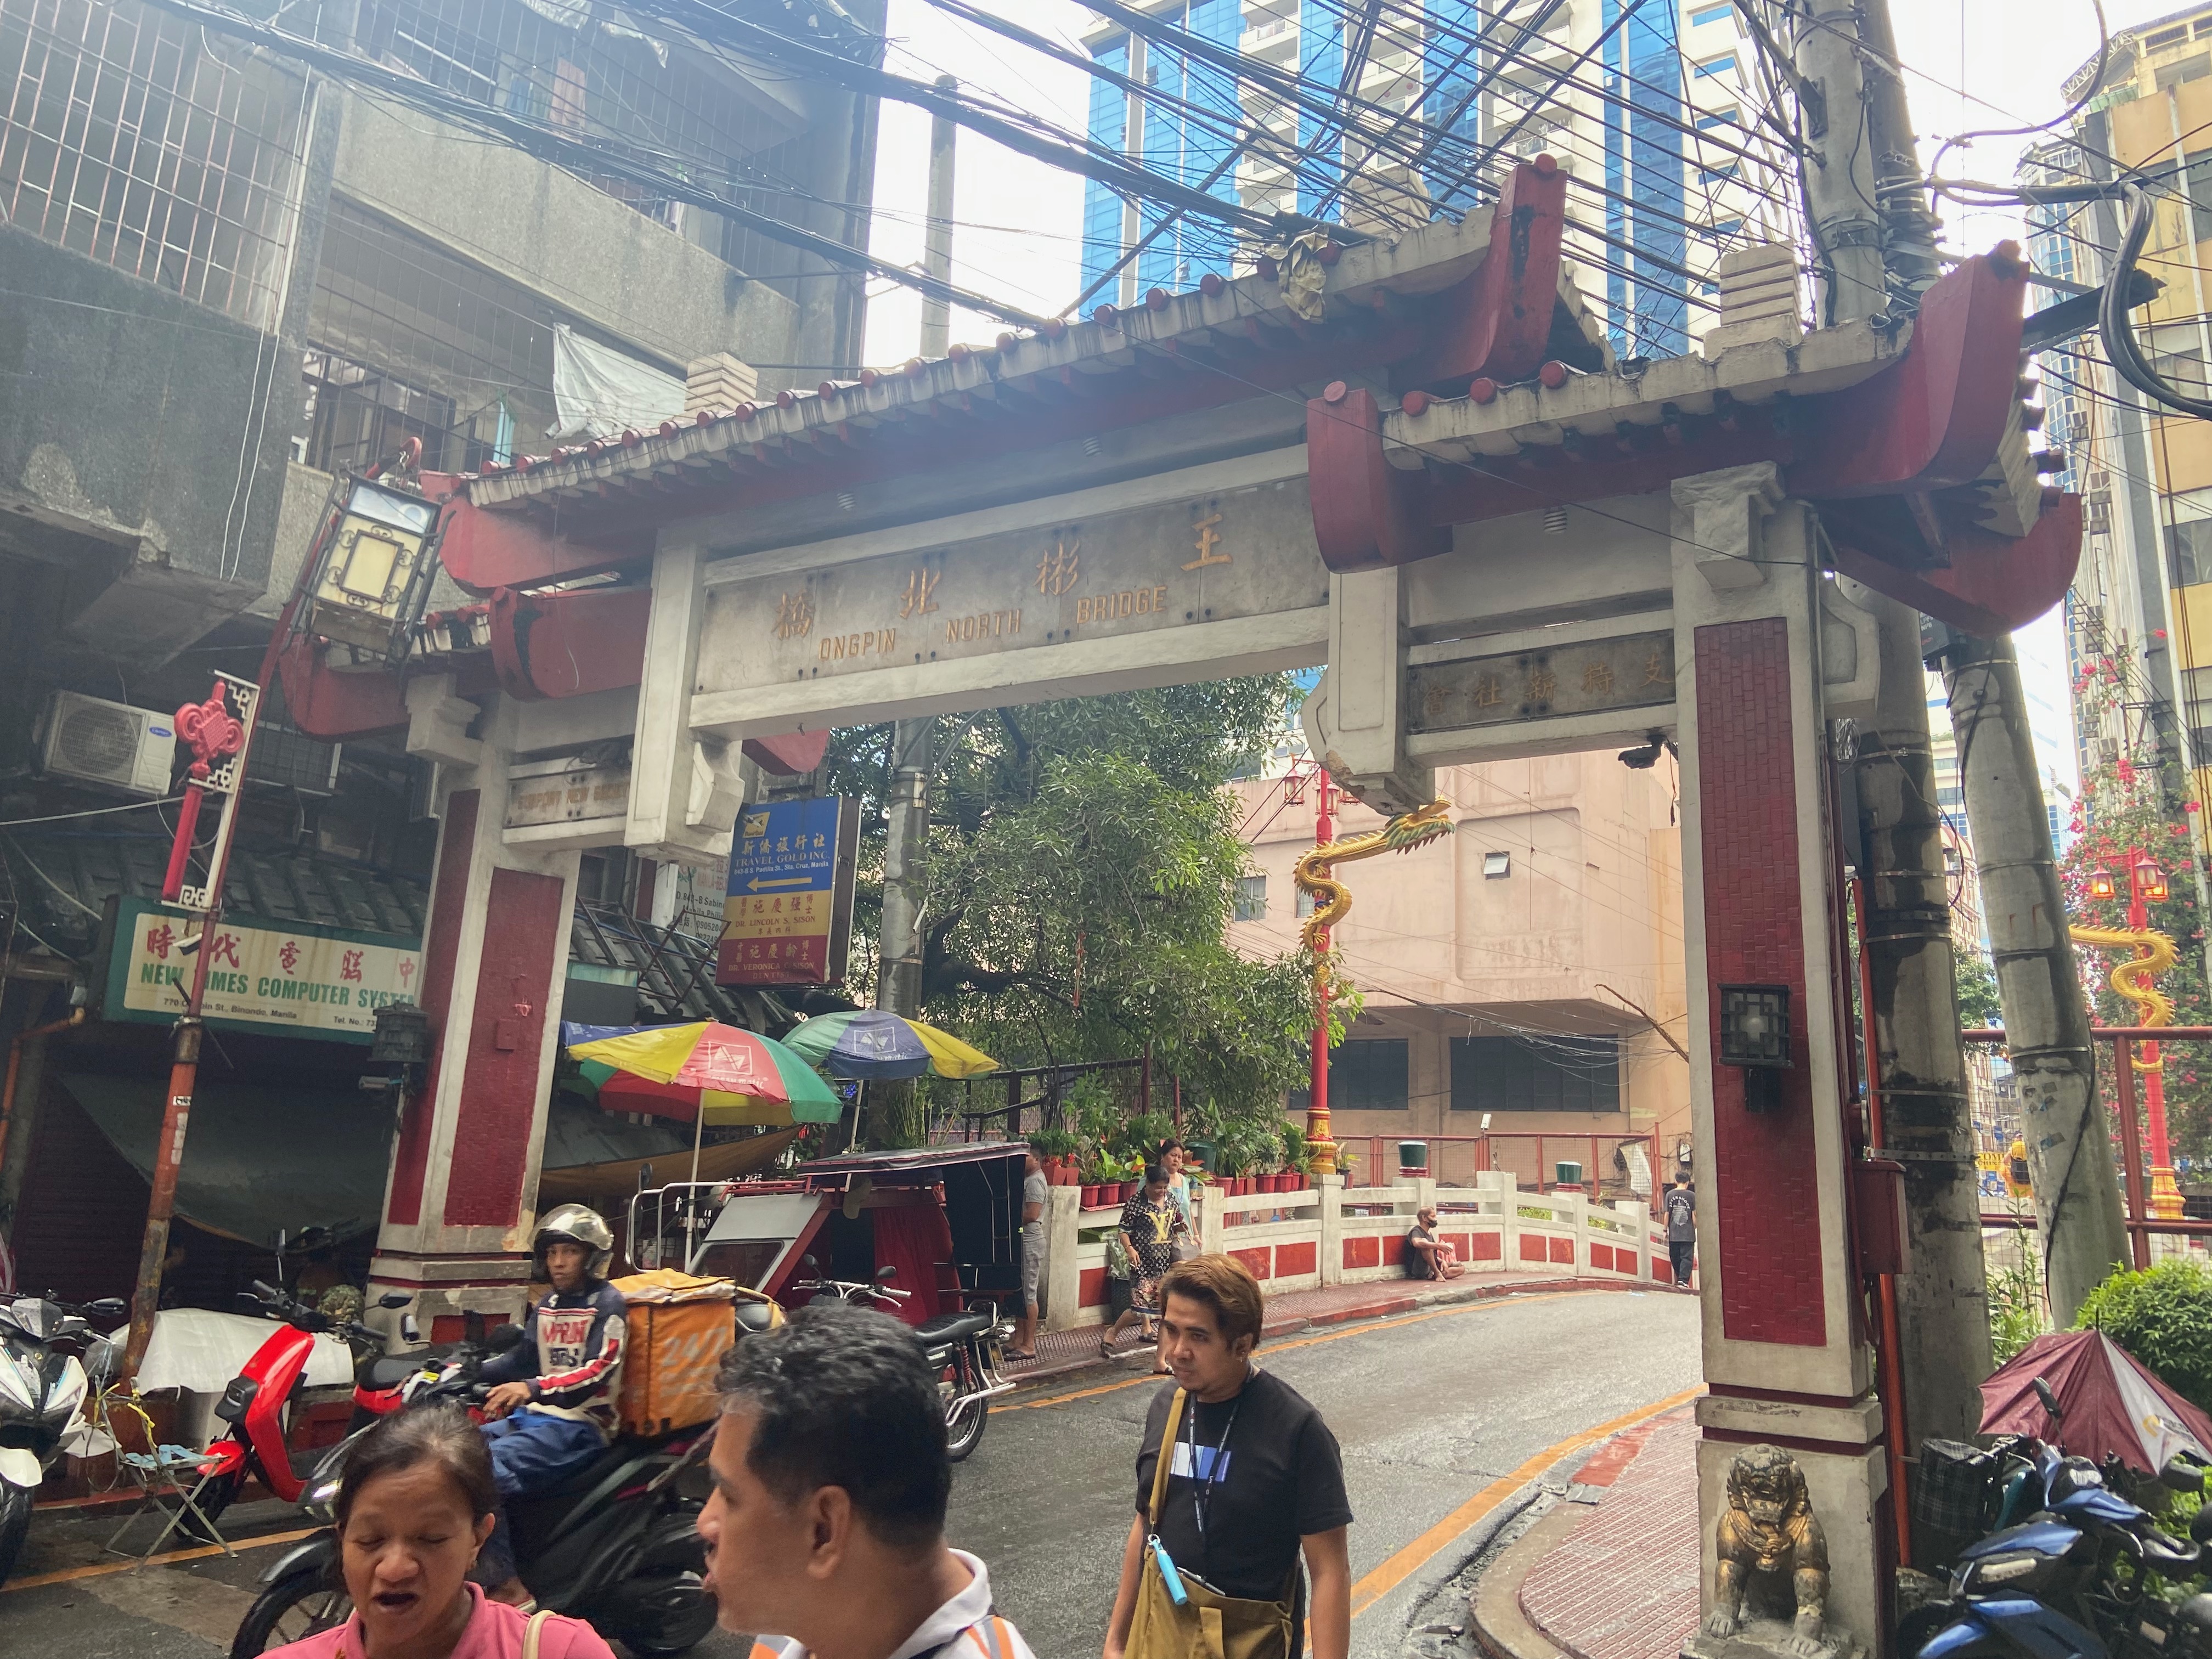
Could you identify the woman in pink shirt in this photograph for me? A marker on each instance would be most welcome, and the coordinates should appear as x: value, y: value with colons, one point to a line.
x: 416, y: 1506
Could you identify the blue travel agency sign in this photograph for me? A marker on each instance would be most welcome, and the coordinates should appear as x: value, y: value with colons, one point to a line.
x: 788, y: 917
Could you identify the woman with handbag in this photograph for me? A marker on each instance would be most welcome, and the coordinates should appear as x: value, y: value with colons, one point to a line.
x: 1252, y: 1482
x: 1151, y: 1230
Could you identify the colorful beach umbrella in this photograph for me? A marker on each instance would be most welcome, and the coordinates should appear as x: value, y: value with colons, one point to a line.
x: 706, y: 1072
x: 869, y: 1043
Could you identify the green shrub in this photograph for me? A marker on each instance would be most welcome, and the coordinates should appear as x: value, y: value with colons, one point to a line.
x: 2164, y: 1318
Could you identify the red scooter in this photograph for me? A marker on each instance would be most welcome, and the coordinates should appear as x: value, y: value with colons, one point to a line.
x: 253, y: 1405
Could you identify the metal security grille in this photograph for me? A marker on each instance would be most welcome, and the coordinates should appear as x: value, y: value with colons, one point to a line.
x: 407, y: 340
x: 124, y: 139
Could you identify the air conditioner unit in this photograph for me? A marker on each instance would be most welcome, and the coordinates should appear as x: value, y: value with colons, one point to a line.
x: 91, y: 740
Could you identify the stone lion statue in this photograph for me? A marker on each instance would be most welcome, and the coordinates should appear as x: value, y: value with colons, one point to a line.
x: 1772, y: 1558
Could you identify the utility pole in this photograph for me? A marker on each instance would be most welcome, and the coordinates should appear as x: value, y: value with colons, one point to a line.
x: 1839, y: 172
x: 906, y: 876
x: 2077, y: 1192
x: 936, y: 243
x: 1916, y: 1071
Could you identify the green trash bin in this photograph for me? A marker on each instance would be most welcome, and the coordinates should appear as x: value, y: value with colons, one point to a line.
x: 1568, y: 1174
x: 1412, y: 1158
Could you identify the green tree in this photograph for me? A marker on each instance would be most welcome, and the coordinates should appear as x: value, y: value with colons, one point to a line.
x: 1976, y: 983
x: 1082, y: 863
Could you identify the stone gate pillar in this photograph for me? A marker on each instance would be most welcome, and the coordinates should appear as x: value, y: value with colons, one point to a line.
x: 461, y: 1200
x: 1786, y: 1361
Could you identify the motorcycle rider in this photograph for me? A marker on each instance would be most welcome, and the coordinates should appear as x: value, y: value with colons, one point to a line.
x: 553, y: 1408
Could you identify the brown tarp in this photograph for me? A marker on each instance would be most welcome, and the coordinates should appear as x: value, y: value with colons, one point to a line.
x: 581, y: 1182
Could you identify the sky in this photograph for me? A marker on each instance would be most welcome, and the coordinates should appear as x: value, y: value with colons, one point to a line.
x: 1971, y: 65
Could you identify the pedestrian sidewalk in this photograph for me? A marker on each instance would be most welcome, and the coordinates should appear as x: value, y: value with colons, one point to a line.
x: 1613, y: 1573
x: 1060, y: 1353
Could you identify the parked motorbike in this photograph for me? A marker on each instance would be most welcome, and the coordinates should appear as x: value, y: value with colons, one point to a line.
x: 2072, y: 1566
x: 45, y: 1346
x: 254, y: 1403
x: 616, y: 1544
x: 965, y: 1349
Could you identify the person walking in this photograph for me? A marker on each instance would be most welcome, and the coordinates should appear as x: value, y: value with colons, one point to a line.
x: 826, y: 1524
x: 1036, y: 1193
x: 1176, y: 1162
x: 1251, y: 1484
x: 1151, y: 1228
x: 1682, y: 1227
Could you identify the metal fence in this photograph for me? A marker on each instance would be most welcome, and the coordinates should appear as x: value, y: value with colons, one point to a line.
x: 124, y: 138
x: 1614, y: 1166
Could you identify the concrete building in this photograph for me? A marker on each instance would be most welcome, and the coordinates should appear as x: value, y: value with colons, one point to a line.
x: 223, y: 280
x: 221, y: 277
x: 2142, y: 601
x: 1667, y: 170
x: 1512, y: 974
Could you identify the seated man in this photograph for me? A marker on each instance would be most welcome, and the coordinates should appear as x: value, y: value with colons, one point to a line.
x: 1426, y: 1255
x: 553, y: 1408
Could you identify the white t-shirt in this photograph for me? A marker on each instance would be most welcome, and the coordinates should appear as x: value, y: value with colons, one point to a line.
x: 964, y: 1628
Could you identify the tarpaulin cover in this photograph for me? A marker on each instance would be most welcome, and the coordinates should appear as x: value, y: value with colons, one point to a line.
x: 598, y: 391
x: 2113, y: 1402
x: 192, y: 1348
x: 256, y: 1158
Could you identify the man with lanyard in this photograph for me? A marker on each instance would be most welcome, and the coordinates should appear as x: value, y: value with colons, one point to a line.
x: 827, y: 1521
x: 1255, y: 1479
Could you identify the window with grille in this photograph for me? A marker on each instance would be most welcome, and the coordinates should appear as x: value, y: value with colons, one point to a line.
x: 123, y: 138
x: 1540, y: 1072
x: 1367, y: 1076
x: 405, y: 340
x: 1251, y: 902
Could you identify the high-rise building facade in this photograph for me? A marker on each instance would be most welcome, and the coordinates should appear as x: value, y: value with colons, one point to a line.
x: 1383, y: 119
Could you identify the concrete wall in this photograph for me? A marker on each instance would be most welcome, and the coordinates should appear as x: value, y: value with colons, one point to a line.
x: 1591, y: 906
x: 581, y: 249
x: 140, y: 435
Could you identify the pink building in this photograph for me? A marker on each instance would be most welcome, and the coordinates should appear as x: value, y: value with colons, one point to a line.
x: 1509, y: 969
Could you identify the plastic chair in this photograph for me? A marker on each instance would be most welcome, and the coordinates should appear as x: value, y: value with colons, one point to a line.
x: 158, y: 1473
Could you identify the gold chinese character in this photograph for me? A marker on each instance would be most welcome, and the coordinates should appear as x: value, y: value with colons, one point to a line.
x: 1060, y: 570
x: 1434, y: 701
x: 1597, y: 678
x: 1488, y: 693
x: 920, y: 598
x: 1208, y: 537
x: 1542, y: 682
x: 1656, y: 672
x: 794, y: 615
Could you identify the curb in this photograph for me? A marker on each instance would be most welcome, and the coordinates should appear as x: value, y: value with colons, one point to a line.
x: 1383, y: 1307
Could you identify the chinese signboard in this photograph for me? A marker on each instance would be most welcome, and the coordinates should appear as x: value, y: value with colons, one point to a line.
x: 1634, y: 671
x: 1245, y: 552
x: 571, y: 790
x: 313, y: 982
x: 788, y: 917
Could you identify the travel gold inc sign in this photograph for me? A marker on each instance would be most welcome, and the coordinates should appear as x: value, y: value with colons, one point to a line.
x: 316, y: 981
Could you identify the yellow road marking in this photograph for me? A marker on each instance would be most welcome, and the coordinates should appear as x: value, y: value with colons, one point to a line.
x: 1354, y: 1328
x: 69, y: 1574
x: 1376, y: 1585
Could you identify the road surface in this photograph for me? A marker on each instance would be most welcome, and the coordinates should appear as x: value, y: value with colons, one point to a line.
x: 1432, y: 1409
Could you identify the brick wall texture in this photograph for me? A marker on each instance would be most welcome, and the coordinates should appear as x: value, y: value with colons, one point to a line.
x: 1766, y: 1182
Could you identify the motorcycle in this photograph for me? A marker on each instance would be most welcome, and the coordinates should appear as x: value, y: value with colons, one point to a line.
x: 616, y: 1544
x: 2072, y: 1566
x: 254, y: 1402
x: 965, y: 1349
x: 43, y: 1387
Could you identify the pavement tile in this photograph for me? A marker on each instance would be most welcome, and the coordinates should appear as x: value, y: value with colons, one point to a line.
x: 1624, y: 1583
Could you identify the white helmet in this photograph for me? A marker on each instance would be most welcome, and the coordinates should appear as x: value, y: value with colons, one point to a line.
x: 573, y: 1224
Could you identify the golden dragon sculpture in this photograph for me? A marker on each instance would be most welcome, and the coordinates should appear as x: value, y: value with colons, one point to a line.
x: 2154, y: 954
x: 1332, y: 899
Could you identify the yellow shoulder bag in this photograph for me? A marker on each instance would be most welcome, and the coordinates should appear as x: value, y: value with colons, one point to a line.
x: 1206, y: 1624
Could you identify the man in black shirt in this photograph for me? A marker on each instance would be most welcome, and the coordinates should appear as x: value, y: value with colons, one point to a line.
x: 1254, y: 1478
x: 1682, y: 1228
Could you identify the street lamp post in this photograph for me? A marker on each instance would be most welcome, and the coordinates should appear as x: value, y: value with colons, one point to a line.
x: 2147, y: 886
